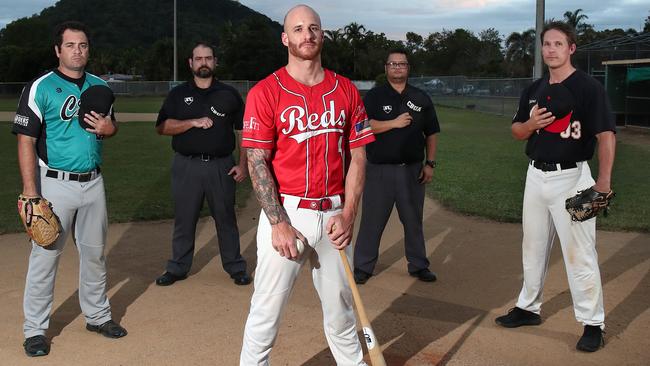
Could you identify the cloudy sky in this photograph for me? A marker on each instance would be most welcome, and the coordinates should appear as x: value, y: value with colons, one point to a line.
x: 396, y: 17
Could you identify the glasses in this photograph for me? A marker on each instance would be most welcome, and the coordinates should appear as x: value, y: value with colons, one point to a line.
x: 397, y: 65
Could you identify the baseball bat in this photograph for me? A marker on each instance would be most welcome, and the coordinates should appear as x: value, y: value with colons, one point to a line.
x: 374, y: 348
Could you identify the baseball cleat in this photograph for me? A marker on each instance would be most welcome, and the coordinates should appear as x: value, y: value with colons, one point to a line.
x: 517, y: 317
x: 36, y: 346
x: 591, y: 340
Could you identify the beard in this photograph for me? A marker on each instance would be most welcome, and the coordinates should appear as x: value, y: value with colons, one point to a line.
x: 203, y: 72
x: 305, y: 53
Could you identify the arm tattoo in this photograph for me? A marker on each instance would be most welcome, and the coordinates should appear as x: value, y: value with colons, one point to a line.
x: 265, y: 185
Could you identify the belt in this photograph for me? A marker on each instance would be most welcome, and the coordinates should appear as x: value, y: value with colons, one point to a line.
x: 204, y: 157
x: 317, y: 204
x: 551, y: 167
x: 77, y: 177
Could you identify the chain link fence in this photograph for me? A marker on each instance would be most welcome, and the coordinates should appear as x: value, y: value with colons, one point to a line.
x: 496, y: 96
x: 134, y: 88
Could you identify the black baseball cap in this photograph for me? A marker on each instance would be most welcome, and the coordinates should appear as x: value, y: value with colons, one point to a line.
x: 558, y: 100
x: 97, y: 98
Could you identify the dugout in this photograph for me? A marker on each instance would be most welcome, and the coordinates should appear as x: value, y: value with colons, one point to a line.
x: 628, y: 86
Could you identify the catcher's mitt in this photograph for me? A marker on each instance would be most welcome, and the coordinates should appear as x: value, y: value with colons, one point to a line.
x: 587, y: 204
x: 41, y: 223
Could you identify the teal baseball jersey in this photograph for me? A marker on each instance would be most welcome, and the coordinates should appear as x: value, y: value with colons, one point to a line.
x: 48, y: 110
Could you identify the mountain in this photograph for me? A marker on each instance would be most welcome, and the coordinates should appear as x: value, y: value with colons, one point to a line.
x: 136, y: 37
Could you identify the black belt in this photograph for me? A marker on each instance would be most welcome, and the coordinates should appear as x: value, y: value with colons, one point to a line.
x: 551, y: 167
x: 77, y: 177
x: 204, y: 157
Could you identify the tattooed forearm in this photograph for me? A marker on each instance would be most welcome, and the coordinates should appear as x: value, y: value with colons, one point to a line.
x: 265, y: 186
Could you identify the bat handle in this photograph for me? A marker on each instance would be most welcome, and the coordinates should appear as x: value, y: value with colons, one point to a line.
x: 374, y: 350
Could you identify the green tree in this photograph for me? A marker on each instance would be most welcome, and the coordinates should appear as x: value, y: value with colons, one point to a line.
x: 337, y: 52
x: 577, y: 20
x: 490, y: 55
x: 159, y: 60
x: 520, y: 51
x: 354, y: 33
x: 414, y: 42
x: 646, y: 27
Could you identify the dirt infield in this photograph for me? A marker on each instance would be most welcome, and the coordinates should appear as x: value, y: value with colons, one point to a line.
x: 200, y: 321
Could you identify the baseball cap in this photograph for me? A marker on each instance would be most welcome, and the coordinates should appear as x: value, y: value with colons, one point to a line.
x: 97, y: 98
x: 558, y: 100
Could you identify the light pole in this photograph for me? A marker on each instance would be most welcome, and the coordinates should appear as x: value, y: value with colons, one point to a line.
x: 539, y: 24
x: 175, y: 53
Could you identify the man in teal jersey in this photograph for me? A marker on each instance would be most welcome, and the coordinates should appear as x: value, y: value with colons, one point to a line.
x: 60, y: 161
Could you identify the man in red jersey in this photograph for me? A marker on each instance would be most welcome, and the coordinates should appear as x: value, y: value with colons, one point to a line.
x: 305, y: 128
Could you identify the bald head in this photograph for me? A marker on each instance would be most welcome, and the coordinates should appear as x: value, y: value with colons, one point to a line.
x: 298, y: 13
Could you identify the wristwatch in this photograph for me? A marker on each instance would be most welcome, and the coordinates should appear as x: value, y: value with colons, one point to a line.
x: 431, y: 163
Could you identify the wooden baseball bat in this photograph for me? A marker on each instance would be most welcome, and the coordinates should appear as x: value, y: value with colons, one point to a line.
x: 374, y: 349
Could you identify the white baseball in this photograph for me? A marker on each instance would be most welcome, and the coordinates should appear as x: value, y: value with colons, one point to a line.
x: 300, y: 246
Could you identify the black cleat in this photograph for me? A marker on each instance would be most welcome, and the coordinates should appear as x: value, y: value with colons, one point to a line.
x: 591, y: 340
x: 517, y: 317
x: 36, y: 346
x: 109, y: 329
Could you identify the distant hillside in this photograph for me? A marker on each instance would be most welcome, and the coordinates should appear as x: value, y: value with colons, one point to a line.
x: 136, y: 37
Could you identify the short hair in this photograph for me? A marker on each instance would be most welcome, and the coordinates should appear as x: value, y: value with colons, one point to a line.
x: 399, y: 50
x: 72, y: 25
x: 202, y: 44
x: 563, y: 27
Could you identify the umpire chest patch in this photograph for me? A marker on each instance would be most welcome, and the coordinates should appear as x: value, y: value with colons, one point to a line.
x: 188, y: 100
x: 413, y: 106
x: 388, y: 108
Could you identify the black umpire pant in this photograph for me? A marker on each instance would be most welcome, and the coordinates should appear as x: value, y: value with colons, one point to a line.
x: 387, y: 185
x: 193, y: 180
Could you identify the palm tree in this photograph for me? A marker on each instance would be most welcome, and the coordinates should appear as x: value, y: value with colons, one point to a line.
x: 354, y: 33
x: 520, y: 51
x: 576, y: 20
x: 336, y: 36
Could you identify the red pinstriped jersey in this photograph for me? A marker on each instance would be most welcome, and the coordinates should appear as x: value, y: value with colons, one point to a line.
x: 310, y: 130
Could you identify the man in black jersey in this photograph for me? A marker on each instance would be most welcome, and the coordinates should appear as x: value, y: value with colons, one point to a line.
x: 563, y: 116
x: 201, y: 116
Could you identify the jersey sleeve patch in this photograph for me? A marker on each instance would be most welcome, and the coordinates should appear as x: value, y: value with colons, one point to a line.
x: 259, y: 130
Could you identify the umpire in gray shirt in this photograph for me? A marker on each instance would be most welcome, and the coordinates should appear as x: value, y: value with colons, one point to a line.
x: 405, y: 125
x: 201, y: 116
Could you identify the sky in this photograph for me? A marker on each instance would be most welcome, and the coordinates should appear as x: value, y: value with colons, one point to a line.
x: 396, y: 17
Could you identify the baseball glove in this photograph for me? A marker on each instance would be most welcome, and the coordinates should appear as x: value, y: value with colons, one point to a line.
x: 587, y: 204
x: 41, y: 223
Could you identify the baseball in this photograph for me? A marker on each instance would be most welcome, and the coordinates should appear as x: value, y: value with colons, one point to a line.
x: 300, y: 246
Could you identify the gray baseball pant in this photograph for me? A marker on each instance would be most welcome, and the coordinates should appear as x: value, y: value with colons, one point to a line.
x: 81, y: 207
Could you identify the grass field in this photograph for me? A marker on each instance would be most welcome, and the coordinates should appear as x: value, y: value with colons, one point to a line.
x: 8, y: 104
x: 136, y: 170
x: 481, y: 172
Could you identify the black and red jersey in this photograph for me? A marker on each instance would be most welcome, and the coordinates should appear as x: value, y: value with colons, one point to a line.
x: 572, y: 138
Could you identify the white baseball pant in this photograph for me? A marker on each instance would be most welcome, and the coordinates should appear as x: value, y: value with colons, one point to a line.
x: 544, y: 217
x: 275, y: 277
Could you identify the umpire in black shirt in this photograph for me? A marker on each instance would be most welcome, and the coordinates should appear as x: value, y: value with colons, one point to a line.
x: 202, y: 115
x: 405, y: 124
